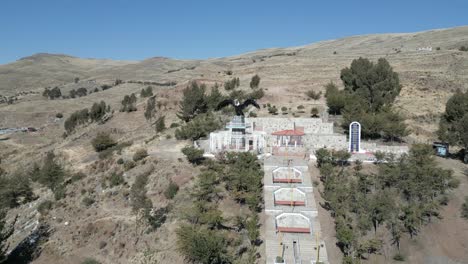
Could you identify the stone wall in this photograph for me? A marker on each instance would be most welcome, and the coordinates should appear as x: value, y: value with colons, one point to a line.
x: 310, y: 125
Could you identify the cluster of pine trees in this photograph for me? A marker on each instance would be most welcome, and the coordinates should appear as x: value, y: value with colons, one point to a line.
x: 129, y: 103
x: 209, y: 237
x: 81, y: 117
x: 405, y: 194
x: 369, y: 92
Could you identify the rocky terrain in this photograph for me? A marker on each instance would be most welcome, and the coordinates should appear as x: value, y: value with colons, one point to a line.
x: 107, y: 230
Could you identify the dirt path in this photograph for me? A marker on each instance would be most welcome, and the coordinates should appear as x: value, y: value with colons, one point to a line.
x: 327, y: 223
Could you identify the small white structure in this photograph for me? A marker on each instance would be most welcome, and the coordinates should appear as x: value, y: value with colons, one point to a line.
x: 355, y: 137
x: 238, y: 136
x: 424, y: 49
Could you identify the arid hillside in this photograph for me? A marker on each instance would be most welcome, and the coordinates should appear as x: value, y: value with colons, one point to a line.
x: 428, y: 77
x: 94, y: 218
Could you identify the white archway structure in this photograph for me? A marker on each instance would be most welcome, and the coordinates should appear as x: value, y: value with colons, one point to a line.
x: 354, y: 137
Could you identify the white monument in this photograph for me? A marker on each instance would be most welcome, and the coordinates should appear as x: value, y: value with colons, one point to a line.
x: 354, y: 137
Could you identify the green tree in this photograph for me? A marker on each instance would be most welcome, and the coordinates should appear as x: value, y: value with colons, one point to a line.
x: 255, y: 81
x: 103, y: 141
x: 193, y: 102
x: 150, y: 108
x: 214, y: 98
x: 453, y: 127
x: 200, y: 126
x: 202, y: 246
x: 377, y: 83
x: 98, y: 111
x: 194, y: 155
x: 160, y: 124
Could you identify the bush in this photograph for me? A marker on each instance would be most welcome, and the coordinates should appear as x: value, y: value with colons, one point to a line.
x: 103, y: 141
x: 44, y: 206
x: 399, y: 257
x: 88, y: 201
x: 90, y: 261
x: 174, y: 125
x: 463, y: 48
x: 314, y: 95
x: 160, y: 124
x: 314, y: 112
x: 194, y: 155
x: 272, y: 110
x: 171, y: 190
x: 59, y: 115
x: 120, y: 161
x: 140, y: 154
x: 464, y: 208
x: 128, y: 165
x: 116, y: 179
x: 78, y: 176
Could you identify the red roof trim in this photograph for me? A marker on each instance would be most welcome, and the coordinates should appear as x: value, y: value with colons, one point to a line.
x: 288, y: 132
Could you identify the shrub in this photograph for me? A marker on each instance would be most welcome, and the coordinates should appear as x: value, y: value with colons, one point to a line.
x: 120, y: 161
x: 314, y: 112
x: 88, y: 201
x: 160, y: 124
x: 78, y: 176
x: 171, y: 190
x: 105, y: 87
x: 273, y: 110
x: 140, y: 154
x: 128, y: 165
x: 90, y: 261
x: 59, y: 115
x: 464, y: 208
x: 313, y: 94
x: 44, y: 206
x: 174, y: 125
x: 116, y: 179
x: 279, y: 259
x: 252, y: 114
x: 463, y: 48
x: 399, y: 257
x: 194, y: 155
x: 231, y: 84
x: 103, y: 141
x: 438, y: 48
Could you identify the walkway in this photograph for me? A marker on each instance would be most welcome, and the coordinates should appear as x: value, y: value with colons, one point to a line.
x: 291, y: 223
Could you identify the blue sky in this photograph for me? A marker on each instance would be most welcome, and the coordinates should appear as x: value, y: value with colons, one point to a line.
x: 135, y: 30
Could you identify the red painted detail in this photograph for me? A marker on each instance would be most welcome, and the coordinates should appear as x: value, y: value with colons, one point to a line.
x: 287, y: 180
x: 293, y: 229
x: 289, y: 132
x: 289, y: 202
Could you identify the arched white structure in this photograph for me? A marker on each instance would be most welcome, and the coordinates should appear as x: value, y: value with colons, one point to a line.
x: 354, y: 137
x: 293, y: 223
x: 287, y: 175
x: 289, y: 196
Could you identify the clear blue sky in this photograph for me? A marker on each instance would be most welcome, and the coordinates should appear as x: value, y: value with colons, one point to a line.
x: 135, y: 30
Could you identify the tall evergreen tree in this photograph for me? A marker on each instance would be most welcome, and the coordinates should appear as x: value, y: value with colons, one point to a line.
x: 193, y: 102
